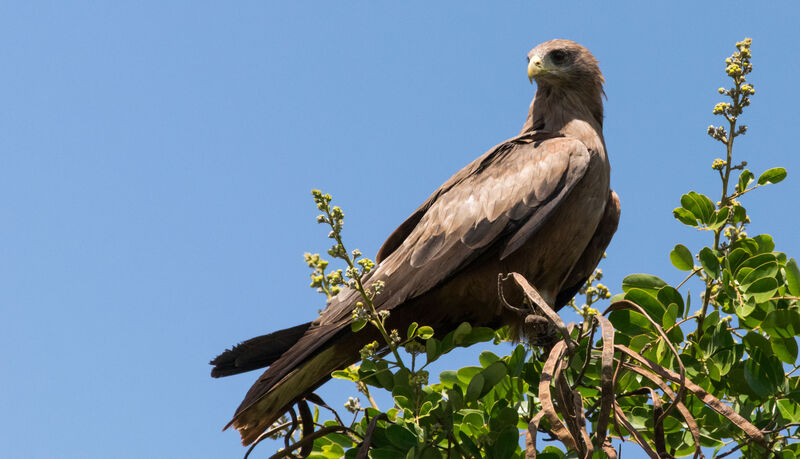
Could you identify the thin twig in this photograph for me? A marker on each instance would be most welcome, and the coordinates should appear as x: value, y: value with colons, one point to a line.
x: 266, y: 435
x: 310, y: 439
x: 695, y: 271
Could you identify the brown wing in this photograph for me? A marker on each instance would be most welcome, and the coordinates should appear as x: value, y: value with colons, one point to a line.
x: 499, y: 201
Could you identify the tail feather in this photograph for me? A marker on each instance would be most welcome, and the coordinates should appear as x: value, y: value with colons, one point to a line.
x: 257, y: 352
x: 291, y: 377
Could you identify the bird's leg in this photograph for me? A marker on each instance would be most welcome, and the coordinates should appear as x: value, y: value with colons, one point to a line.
x: 504, y: 303
x: 541, y: 322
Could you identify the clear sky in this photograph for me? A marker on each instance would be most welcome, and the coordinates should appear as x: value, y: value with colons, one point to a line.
x: 156, y: 161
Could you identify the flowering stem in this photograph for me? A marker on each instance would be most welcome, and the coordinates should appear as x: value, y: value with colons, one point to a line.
x: 738, y: 66
x: 375, y: 318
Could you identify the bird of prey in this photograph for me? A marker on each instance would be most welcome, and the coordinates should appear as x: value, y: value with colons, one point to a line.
x: 538, y: 204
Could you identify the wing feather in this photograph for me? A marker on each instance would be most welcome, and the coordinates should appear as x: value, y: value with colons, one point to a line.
x: 500, y: 200
x: 505, y: 204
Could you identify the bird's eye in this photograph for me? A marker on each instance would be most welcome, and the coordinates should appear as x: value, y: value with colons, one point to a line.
x: 558, y: 56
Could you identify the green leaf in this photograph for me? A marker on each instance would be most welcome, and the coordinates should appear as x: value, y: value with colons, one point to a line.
x: 400, y: 437
x: 412, y: 330
x: 746, y: 243
x: 735, y: 258
x: 709, y: 262
x: 668, y: 295
x: 474, y: 389
x: 516, y: 361
x: 755, y: 341
x: 463, y: 330
x: 774, y: 175
x: 478, y: 335
x: 639, y: 341
x: 744, y: 179
x: 681, y: 258
x: 358, y: 324
x: 763, y: 374
x: 763, y: 289
x: 720, y: 218
x: 700, y: 205
x: 492, y: 375
x: 792, y: 277
x: 384, y: 376
x: 502, y: 416
x: 670, y: 316
x: 648, y: 302
x: 765, y: 243
x: 487, y: 358
x: 432, y: 349
x: 711, y: 320
x: 739, y: 214
x: 425, y: 332
x: 789, y: 408
x: 507, y: 442
x: 785, y: 349
x: 430, y: 452
x: 724, y: 361
x: 465, y: 374
x: 744, y: 308
x: 402, y: 378
x: 551, y: 452
x: 649, y: 283
x: 469, y: 445
x: 385, y: 452
x: 783, y: 323
x: 768, y: 269
x: 630, y: 323
x: 344, y: 374
x: 684, y: 216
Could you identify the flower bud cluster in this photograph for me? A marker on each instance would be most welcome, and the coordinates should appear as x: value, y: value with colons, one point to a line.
x: 369, y: 350
x: 737, y: 66
x: 733, y: 233
x: 366, y: 265
x: 603, y: 292
x: 420, y: 379
x: 353, y: 405
x: 414, y: 348
x: 718, y: 133
x: 394, y: 337
x: 360, y: 312
x: 721, y: 108
x: 589, y: 311
x: 327, y: 283
x: 718, y: 164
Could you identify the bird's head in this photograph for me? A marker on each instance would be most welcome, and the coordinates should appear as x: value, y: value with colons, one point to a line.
x: 563, y: 63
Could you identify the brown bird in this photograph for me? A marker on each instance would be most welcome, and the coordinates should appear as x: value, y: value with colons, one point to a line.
x: 538, y: 204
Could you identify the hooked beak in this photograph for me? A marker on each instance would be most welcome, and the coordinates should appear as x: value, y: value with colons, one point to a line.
x: 535, y: 67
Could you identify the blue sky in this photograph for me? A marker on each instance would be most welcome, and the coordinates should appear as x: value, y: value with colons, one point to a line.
x: 156, y: 162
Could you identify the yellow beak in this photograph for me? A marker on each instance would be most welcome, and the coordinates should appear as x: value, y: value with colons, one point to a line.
x: 535, y: 67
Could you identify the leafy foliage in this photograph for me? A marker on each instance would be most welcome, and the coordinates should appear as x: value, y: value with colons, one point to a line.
x: 661, y: 373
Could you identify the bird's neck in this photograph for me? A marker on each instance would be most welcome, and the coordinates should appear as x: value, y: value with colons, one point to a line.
x: 555, y: 109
